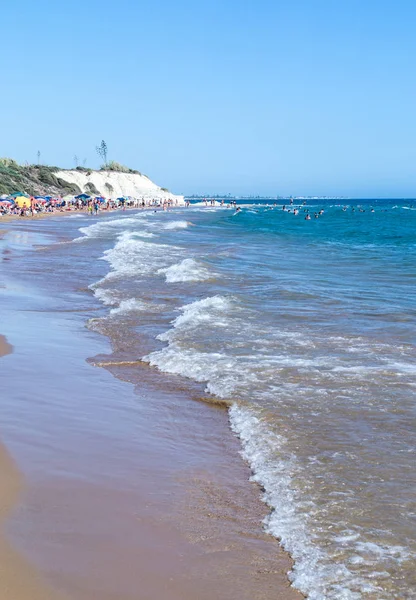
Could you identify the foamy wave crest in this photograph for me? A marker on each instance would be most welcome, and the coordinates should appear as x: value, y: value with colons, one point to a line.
x: 219, y: 371
x: 105, y: 226
x: 144, y: 234
x: 106, y: 296
x: 213, y: 308
x: 131, y: 256
x: 188, y: 269
x: 130, y: 305
x: 176, y: 225
x: 274, y: 468
x: 260, y: 448
x: 204, y: 367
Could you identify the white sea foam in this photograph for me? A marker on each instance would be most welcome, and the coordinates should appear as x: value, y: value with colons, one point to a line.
x: 176, y: 225
x: 188, y: 269
x: 105, y: 226
x: 274, y: 467
x: 219, y: 371
x: 131, y: 256
x: 130, y: 305
x: 106, y: 296
x: 213, y: 308
x: 144, y: 234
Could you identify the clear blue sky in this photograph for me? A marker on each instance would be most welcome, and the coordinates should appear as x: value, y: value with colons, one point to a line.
x: 288, y: 97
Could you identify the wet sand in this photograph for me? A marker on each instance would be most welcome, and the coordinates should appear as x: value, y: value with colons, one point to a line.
x: 18, y: 580
x: 133, y: 490
x: 5, y: 347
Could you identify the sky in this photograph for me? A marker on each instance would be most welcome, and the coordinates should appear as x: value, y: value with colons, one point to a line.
x: 293, y: 97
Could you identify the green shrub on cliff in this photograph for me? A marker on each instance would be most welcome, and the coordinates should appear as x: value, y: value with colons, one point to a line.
x: 32, y: 179
x: 115, y: 166
x: 9, y: 163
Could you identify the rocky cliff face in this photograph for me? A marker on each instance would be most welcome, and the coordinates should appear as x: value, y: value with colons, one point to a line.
x: 112, y: 184
x: 44, y: 180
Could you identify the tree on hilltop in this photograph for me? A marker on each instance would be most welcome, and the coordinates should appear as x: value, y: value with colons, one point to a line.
x: 102, y: 151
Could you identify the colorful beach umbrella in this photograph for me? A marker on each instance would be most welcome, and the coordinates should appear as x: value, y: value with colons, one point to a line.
x: 19, y: 195
x: 22, y: 201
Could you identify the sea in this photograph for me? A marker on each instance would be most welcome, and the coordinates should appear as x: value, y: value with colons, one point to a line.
x: 305, y: 329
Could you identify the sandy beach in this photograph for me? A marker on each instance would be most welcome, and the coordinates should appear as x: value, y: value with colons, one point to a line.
x: 5, y: 347
x: 132, y: 489
x: 18, y: 579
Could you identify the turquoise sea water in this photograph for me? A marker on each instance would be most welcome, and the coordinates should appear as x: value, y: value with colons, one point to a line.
x: 308, y: 329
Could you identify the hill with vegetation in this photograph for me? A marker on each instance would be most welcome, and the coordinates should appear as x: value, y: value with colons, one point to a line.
x: 111, y: 181
x: 36, y: 180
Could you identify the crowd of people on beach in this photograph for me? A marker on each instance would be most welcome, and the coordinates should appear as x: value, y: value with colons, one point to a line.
x: 27, y: 206
x: 23, y: 206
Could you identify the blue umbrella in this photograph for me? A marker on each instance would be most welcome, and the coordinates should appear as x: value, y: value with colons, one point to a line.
x: 17, y: 194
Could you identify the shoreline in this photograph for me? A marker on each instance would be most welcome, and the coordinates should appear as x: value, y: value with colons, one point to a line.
x: 82, y: 212
x: 167, y: 489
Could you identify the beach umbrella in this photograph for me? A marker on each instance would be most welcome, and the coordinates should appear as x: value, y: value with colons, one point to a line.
x: 68, y: 197
x: 4, y: 196
x: 22, y: 201
x: 82, y: 197
x: 19, y: 195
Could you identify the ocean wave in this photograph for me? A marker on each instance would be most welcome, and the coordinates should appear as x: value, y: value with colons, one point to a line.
x: 106, y: 296
x: 188, y: 269
x: 274, y: 468
x: 176, y: 225
x: 131, y: 256
x: 104, y: 226
x: 144, y: 234
x: 219, y: 371
x: 131, y: 305
x: 213, y: 308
